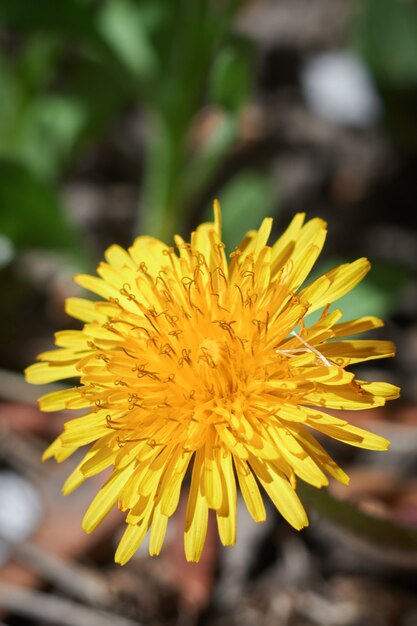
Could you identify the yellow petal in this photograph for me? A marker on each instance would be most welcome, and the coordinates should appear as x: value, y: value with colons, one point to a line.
x: 58, y: 450
x: 118, y: 257
x: 158, y: 531
x: 41, y: 373
x: 226, y: 515
x: 130, y: 542
x: 306, y: 251
x: 212, y: 478
x: 250, y: 491
x: 343, y: 431
x: 151, y: 252
x: 172, y: 481
x: 103, y: 457
x: 197, y: 513
x: 259, y: 240
x: 60, y: 400
x: 342, y: 398
x: 130, y: 498
x: 284, y: 246
x: 281, y: 493
x: 105, y: 499
x: 88, y: 311
x: 352, y: 351
x: 74, y: 480
x: 79, y: 475
x: 385, y: 390
x: 325, y: 375
x: 97, y: 286
x: 357, y: 326
x: 63, y: 356
x: 85, y: 429
x: 340, y: 280
x: 74, y: 339
x: 321, y: 457
x: 304, y: 466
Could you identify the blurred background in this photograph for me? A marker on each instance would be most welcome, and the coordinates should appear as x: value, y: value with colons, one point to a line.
x: 120, y: 117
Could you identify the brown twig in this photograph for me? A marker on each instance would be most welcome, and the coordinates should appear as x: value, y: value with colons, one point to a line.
x: 54, y: 610
x: 75, y: 580
x: 21, y: 454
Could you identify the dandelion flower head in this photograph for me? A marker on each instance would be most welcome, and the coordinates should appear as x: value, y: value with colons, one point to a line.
x: 193, y: 363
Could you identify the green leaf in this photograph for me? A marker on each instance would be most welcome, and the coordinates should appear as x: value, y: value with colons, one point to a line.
x: 384, y: 533
x: 386, y: 36
x: 121, y: 24
x: 230, y: 78
x: 38, y: 60
x: 49, y: 131
x: 31, y: 214
x: 102, y: 92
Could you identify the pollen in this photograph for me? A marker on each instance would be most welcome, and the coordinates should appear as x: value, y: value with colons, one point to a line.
x: 210, y: 352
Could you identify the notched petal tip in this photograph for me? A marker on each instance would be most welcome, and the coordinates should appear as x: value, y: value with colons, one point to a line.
x: 49, y: 452
x: 130, y: 542
x: 120, y: 560
x: 376, y: 442
x: 342, y: 478
x: 87, y: 526
x: 384, y: 444
x: 302, y: 523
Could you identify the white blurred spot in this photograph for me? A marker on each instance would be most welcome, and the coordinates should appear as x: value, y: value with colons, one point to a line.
x: 20, y: 510
x: 338, y: 87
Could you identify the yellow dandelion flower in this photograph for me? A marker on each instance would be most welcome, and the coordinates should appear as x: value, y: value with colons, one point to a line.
x: 191, y: 362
